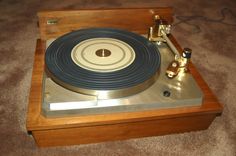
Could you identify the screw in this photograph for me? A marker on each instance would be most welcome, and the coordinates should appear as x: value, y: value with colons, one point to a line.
x: 166, y: 93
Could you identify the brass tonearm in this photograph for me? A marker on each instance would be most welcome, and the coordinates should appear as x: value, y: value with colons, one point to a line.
x: 159, y: 33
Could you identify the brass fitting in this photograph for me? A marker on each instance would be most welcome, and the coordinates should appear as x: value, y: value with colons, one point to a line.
x: 180, y: 65
x: 160, y: 27
x: 159, y: 33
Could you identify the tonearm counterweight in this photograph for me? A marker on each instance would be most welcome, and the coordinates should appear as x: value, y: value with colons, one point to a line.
x: 159, y: 33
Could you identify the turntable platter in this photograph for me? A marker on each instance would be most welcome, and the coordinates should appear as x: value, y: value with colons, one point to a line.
x: 105, y: 62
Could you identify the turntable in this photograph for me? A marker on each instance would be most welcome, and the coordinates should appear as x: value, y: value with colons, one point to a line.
x: 113, y: 74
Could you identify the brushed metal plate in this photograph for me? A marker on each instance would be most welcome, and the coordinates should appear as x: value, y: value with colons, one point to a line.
x: 183, y: 91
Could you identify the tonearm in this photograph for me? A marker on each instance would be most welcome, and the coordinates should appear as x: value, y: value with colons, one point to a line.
x: 159, y: 33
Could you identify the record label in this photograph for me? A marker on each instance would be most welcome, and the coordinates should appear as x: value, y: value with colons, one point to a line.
x: 103, y: 54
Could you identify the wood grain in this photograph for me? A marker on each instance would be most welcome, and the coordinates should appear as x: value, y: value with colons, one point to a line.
x: 135, y: 20
x: 91, y: 128
x: 99, y: 133
x: 35, y: 97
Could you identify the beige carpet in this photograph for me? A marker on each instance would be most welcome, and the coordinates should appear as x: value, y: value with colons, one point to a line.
x: 213, y: 44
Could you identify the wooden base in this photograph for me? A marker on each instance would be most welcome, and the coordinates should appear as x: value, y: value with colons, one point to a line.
x: 116, y: 126
x: 120, y: 131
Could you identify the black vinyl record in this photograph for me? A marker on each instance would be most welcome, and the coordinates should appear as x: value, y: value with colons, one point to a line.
x: 65, y: 71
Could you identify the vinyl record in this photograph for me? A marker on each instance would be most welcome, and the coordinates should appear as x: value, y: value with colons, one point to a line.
x: 105, y: 62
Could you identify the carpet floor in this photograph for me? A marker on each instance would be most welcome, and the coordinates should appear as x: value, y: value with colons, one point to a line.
x: 208, y: 27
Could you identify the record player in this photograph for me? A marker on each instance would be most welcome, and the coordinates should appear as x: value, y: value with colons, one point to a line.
x: 112, y: 74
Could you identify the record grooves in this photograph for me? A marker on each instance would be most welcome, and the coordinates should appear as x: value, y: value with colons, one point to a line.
x: 137, y: 76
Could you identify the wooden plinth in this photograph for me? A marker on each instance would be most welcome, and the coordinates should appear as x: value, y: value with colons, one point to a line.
x: 116, y: 126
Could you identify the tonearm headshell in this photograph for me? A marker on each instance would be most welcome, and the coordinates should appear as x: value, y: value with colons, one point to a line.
x: 159, y: 33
